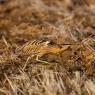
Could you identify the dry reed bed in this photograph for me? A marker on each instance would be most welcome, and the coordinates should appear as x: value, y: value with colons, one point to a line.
x: 60, y: 22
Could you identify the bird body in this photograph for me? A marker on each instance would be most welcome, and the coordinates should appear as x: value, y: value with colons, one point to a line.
x: 38, y: 48
x: 34, y: 47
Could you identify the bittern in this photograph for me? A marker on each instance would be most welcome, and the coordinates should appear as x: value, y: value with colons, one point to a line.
x: 39, y: 48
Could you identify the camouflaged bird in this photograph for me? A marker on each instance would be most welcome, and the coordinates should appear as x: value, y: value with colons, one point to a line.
x: 39, y: 48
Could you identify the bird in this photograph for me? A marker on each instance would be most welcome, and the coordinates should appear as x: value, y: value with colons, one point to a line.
x: 38, y: 48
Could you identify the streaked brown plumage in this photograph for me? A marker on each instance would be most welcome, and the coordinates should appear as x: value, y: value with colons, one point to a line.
x: 34, y: 47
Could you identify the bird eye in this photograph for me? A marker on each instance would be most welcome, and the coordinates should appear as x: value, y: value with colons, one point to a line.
x: 51, y: 43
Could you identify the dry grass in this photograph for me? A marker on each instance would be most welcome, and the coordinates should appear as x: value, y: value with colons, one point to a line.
x: 64, y: 31
x: 47, y: 82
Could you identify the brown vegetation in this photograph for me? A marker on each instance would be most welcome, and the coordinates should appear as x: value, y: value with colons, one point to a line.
x: 60, y: 33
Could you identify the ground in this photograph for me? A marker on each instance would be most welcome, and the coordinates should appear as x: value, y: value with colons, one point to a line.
x: 62, y: 22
